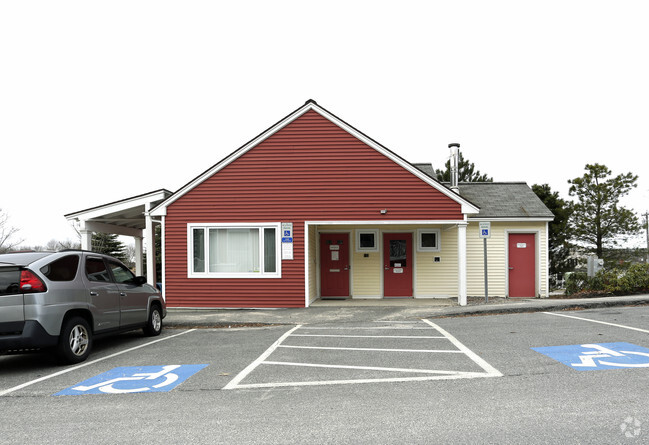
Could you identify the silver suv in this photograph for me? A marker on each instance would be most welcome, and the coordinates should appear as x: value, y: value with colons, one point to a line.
x: 65, y: 299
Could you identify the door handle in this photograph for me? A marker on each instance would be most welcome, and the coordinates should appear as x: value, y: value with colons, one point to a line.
x: 511, y: 268
x: 347, y: 267
x: 93, y: 294
x: 386, y: 267
x: 122, y: 294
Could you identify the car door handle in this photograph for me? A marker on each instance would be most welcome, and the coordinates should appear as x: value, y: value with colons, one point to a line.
x: 123, y: 294
x: 94, y: 294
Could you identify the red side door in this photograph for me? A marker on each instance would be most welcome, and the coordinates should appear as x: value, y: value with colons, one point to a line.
x: 522, y: 265
x: 334, y: 265
x: 397, y: 264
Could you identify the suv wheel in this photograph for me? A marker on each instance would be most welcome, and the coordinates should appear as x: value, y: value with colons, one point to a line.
x: 154, y: 323
x: 75, y: 341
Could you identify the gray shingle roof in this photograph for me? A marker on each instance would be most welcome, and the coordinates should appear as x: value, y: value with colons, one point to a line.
x: 427, y: 168
x: 498, y: 199
x: 504, y: 200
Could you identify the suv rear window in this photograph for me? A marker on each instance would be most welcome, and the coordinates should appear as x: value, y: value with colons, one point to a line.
x: 63, y: 269
x: 9, y: 280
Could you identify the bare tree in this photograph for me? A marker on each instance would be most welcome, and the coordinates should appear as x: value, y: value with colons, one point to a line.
x: 7, y: 232
x: 55, y: 245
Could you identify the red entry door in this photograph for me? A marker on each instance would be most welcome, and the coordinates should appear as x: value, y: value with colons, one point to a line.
x: 334, y: 264
x: 397, y: 264
x: 522, y: 265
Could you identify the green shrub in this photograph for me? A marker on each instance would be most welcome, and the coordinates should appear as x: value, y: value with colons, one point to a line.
x: 634, y: 279
x: 576, y: 282
x: 612, y: 281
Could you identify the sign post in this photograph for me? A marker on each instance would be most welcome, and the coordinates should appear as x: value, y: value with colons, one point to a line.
x: 485, y: 233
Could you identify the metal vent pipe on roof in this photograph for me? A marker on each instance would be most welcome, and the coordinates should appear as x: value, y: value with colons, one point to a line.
x: 455, y: 155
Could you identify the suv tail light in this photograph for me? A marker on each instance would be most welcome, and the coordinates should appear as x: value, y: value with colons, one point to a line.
x: 29, y: 282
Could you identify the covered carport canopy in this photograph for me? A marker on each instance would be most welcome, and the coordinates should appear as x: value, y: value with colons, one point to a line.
x: 127, y: 217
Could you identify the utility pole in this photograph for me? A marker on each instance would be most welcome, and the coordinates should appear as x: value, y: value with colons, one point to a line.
x: 646, y: 220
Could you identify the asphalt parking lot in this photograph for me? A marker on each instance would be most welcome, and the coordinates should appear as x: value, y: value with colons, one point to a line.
x: 479, y: 379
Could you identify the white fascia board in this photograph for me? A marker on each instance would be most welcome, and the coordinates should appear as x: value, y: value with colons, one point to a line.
x: 120, y: 206
x: 161, y: 210
x: 384, y: 222
x: 467, y: 207
x: 511, y: 219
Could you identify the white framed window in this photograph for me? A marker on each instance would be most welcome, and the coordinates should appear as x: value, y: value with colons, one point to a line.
x: 234, y: 250
x: 428, y: 240
x: 367, y: 240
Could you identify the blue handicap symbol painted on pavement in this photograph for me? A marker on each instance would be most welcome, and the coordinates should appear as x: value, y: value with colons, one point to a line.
x: 132, y: 379
x: 596, y: 357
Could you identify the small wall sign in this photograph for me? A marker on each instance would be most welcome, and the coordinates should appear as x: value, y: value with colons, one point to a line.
x: 287, y: 241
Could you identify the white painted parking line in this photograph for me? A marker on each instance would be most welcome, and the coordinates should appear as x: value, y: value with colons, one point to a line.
x: 371, y: 349
x: 372, y: 368
x: 600, y: 322
x: 434, y: 374
x: 364, y: 328
x: 357, y: 381
x: 493, y: 372
x: 242, y: 375
x: 368, y: 336
x: 74, y: 368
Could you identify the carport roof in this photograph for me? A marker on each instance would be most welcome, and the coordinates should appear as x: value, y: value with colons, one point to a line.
x: 128, y: 213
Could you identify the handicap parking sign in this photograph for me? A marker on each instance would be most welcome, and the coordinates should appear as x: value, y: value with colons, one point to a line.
x: 125, y: 380
x: 597, y: 357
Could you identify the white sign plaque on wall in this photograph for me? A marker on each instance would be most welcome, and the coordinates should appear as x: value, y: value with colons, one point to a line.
x: 287, y: 251
x: 287, y: 241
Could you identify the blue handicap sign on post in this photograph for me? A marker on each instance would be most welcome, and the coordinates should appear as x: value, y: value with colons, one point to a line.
x: 600, y: 356
x: 125, y: 380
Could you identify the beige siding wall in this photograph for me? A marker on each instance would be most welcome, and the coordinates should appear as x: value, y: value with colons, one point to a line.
x: 366, y: 273
x: 497, y: 257
x: 438, y: 279
x: 431, y: 278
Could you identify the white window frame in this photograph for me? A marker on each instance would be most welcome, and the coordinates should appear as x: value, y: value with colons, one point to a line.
x: 374, y: 232
x: 438, y: 237
x: 261, y: 226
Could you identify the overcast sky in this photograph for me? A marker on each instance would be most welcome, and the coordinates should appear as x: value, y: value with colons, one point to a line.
x: 100, y: 101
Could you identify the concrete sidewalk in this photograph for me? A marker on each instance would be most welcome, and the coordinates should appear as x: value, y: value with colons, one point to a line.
x: 350, y: 311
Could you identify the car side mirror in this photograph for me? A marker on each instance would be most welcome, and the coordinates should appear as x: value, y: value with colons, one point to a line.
x: 139, y: 281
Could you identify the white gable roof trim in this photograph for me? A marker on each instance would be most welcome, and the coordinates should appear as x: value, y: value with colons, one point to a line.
x: 467, y: 207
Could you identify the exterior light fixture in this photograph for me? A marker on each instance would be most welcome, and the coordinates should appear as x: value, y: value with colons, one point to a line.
x: 384, y: 211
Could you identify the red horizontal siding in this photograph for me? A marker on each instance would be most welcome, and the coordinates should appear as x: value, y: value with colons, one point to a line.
x: 310, y: 170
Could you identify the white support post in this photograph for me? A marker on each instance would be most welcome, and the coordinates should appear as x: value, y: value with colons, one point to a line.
x: 461, y: 254
x: 138, y: 256
x: 86, y: 236
x: 149, y: 239
x: 162, y: 247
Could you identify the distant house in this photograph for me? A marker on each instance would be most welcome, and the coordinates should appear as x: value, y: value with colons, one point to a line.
x: 313, y: 208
